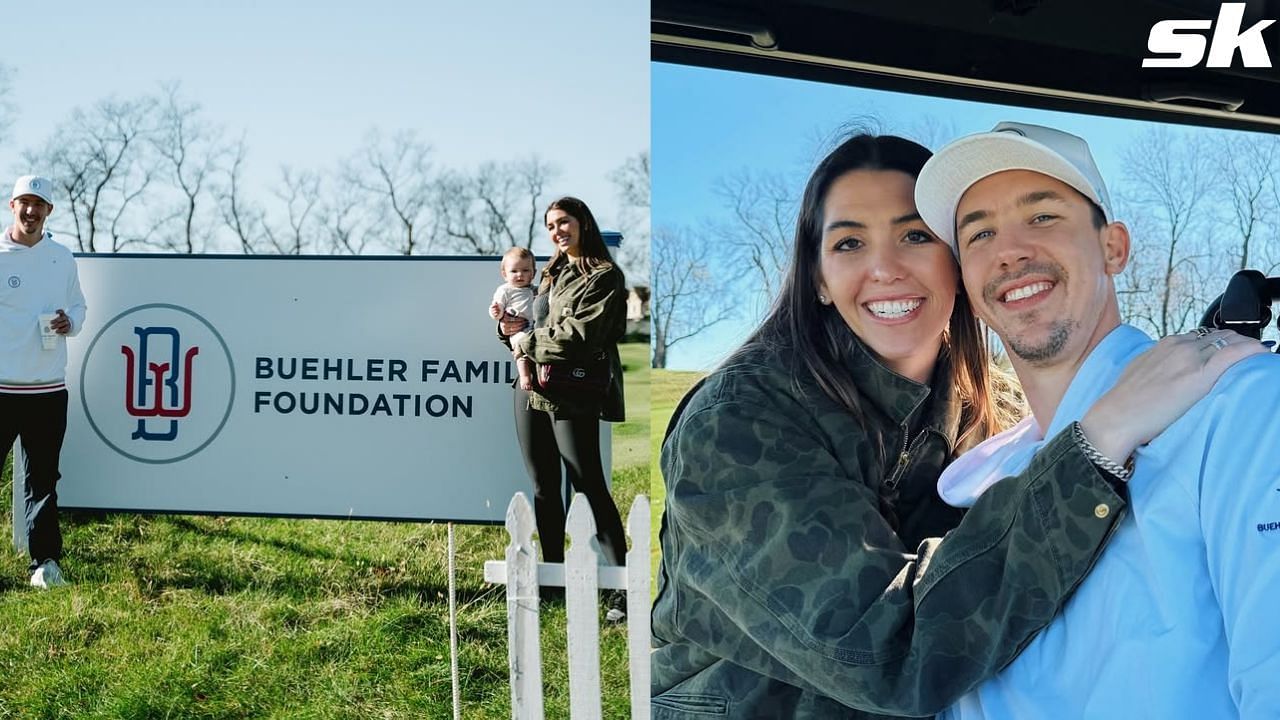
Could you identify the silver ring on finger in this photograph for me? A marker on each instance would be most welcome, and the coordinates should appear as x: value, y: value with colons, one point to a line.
x: 1219, y: 343
x: 1202, y: 331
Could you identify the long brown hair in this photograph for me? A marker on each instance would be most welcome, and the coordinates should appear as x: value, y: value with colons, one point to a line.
x: 592, y: 252
x: 821, y: 342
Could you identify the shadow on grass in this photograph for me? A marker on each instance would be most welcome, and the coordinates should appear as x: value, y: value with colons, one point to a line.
x: 232, y: 533
x: 12, y: 583
x: 107, y: 550
x: 217, y: 579
x: 144, y: 549
x: 189, y: 524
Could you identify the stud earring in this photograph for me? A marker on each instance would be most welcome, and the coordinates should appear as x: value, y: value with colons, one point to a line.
x: 823, y: 299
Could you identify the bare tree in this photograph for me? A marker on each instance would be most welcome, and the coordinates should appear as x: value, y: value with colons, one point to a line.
x: 1167, y: 180
x: 498, y: 206
x: 343, y: 224
x: 299, y: 192
x: 125, y: 234
x: 395, y: 175
x: 97, y: 158
x: 241, y: 216
x: 7, y: 107
x: 688, y: 297
x: 533, y: 174
x: 454, y: 215
x: 763, y: 208
x: 631, y: 179
x: 190, y: 150
x: 932, y: 131
x: 1267, y: 255
x: 1247, y: 168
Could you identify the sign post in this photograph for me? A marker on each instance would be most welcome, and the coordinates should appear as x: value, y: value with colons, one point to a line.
x: 19, y: 498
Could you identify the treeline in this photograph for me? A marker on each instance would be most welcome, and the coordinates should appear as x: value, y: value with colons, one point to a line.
x: 153, y: 173
x: 1200, y: 204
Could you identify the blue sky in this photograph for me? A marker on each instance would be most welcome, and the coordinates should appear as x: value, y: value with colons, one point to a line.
x: 306, y: 80
x: 709, y: 124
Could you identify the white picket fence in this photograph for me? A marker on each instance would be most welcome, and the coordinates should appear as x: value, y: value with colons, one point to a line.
x: 583, y: 576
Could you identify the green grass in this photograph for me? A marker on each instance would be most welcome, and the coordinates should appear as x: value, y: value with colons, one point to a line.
x: 631, y: 438
x: 667, y: 388
x: 215, y: 617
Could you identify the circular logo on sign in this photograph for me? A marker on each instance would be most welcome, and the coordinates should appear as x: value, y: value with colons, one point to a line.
x: 14, y: 281
x: 157, y: 383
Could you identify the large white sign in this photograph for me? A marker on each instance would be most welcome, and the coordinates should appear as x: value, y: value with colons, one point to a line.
x: 320, y: 387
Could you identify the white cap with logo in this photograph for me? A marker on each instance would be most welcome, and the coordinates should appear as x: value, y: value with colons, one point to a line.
x: 33, y: 185
x: 1009, y: 146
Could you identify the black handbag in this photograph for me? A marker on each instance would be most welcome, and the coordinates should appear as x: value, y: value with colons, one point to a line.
x: 589, y: 377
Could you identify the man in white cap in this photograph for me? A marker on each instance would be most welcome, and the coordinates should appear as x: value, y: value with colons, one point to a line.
x: 40, y: 304
x: 1179, y: 617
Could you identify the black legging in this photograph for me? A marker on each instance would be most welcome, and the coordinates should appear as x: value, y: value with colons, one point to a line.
x: 543, y: 441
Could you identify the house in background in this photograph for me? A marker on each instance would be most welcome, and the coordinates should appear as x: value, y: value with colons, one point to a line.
x: 638, y: 313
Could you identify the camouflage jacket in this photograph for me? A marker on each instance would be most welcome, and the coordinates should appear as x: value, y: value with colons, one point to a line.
x: 785, y: 591
x: 587, y: 314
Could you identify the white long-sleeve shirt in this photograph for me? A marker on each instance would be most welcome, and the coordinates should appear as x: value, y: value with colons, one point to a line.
x: 35, y: 280
x: 1179, y: 618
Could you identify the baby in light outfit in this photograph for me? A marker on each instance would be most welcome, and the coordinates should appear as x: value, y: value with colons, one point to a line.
x: 515, y: 297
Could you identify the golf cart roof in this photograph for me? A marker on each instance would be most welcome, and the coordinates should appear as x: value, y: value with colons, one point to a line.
x: 1072, y: 55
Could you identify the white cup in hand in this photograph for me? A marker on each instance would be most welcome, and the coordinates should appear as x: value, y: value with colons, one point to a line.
x: 48, y: 337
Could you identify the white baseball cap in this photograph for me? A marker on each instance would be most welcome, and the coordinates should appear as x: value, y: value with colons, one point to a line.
x: 33, y: 185
x: 1009, y: 146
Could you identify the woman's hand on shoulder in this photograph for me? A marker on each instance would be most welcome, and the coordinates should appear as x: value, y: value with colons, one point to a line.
x: 1160, y: 385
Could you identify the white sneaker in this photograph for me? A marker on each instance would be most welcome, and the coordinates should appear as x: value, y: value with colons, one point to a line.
x: 48, y: 575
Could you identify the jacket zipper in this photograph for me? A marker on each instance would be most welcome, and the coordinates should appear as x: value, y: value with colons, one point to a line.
x: 904, y: 458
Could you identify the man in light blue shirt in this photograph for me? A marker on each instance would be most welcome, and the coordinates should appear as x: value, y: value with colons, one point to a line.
x: 1181, y: 617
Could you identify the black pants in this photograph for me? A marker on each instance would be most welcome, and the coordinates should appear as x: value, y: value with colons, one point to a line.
x: 41, y: 421
x: 543, y: 442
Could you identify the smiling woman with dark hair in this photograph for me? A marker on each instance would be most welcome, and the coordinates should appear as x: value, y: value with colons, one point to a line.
x: 580, y: 315
x: 802, y: 574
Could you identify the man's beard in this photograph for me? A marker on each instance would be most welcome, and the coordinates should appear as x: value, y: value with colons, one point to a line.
x: 1059, y: 331
x: 1038, y: 354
